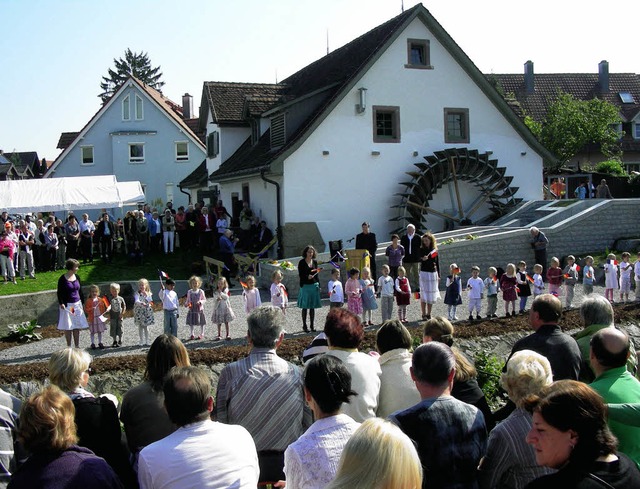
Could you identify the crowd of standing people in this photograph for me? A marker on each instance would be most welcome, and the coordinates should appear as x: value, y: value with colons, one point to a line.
x: 393, y: 419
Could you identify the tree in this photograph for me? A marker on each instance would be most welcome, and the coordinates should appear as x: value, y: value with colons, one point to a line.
x: 133, y: 64
x: 570, y: 124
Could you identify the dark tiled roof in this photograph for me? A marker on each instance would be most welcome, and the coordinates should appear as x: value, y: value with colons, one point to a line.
x: 66, y: 138
x: 254, y: 105
x: 194, y: 125
x: 28, y: 159
x: 583, y: 86
x: 226, y: 100
x: 197, y: 178
x: 342, y: 64
x: 331, y: 72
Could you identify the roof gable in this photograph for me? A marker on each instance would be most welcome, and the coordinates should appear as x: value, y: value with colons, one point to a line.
x: 338, y: 71
x: 166, y: 106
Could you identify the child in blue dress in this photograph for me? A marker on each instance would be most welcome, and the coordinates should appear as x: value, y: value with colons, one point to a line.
x: 369, y: 303
x: 453, y: 293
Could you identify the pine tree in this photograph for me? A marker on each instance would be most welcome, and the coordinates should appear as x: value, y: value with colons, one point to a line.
x: 136, y: 64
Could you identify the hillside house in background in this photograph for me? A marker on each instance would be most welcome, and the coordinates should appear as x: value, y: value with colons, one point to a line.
x: 25, y: 165
x: 396, y: 126
x: 532, y: 93
x: 139, y: 134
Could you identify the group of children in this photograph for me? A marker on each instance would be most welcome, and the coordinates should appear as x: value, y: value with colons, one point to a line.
x: 361, y: 292
x: 517, y: 283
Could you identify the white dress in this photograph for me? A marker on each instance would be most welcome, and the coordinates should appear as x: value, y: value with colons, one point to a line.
x: 611, y: 276
x: 312, y: 460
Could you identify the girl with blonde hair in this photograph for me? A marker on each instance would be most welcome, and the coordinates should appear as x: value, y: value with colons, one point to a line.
x: 378, y: 455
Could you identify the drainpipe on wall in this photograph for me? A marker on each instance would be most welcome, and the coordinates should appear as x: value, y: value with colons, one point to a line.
x: 186, y: 193
x: 278, y: 217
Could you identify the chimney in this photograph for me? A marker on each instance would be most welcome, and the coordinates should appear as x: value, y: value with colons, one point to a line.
x: 603, y: 76
x: 187, y: 106
x: 529, y: 84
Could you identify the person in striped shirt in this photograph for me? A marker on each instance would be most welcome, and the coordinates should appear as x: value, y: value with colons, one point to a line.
x: 9, y: 448
x: 264, y: 393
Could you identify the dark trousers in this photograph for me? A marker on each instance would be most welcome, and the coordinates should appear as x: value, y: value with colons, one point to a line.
x: 106, y: 247
x: 86, y: 245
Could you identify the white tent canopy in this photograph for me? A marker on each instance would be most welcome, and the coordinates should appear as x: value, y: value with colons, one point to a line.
x: 68, y: 193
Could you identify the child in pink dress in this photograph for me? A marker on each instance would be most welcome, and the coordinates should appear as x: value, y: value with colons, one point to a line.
x: 353, y: 291
x: 195, y: 303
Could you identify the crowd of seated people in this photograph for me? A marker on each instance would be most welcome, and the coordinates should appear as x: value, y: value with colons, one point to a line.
x: 403, y: 417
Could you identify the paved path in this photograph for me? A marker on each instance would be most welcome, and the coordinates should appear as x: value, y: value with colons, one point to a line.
x: 41, y: 350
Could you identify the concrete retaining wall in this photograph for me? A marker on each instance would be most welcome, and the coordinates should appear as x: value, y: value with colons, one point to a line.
x: 43, y: 306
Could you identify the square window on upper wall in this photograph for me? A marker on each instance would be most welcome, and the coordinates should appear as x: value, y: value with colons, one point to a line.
x: 86, y: 153
x: 386, y: 124
x: 456, y: 125
x: 126, y: 108
x: 139, y: 111
x: 136, y: 152
x: 418, y: 54
x: 182, y: 150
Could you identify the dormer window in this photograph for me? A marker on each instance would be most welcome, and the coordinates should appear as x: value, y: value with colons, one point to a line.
x: 255, y: 131
x: 418, y: 54
x: 636, y: 130
x: 126, y: 108
x: 278, y: 132
x: 139, y: 111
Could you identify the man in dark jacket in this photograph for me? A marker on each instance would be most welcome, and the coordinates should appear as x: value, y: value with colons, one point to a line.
x: 106, y: 232
x: 366, y: 240
x: 411, y: 260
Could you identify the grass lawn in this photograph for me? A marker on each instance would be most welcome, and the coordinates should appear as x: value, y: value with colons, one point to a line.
x: 178, y: 265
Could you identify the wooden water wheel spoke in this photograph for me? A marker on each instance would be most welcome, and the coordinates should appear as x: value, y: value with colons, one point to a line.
x: 450, y: 167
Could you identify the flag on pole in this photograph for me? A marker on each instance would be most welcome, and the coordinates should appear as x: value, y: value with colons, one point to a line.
x: 162, y: 275
x: 433, y: 253
x: 244, y: 284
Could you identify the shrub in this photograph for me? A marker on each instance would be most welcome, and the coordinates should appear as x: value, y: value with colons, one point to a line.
x: 489, y: 368
x: 24, y: 332
x: 611, y: 167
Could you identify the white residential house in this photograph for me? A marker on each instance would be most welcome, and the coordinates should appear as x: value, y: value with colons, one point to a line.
x: 138, y: 134
x: 396, y: 126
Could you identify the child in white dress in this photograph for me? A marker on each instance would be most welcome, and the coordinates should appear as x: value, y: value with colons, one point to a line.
x: 251, y: 295
x: 610, y: 276
x: 222, y: 312
x: 279, y: 296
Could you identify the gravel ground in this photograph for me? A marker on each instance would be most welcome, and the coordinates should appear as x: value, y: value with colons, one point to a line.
x: 41, y: 350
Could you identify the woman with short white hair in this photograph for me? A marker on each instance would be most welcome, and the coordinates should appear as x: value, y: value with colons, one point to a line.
x: 510, y: 462
x: 96, y: 417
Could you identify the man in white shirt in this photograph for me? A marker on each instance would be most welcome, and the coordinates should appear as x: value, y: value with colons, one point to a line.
x: 201, y: 453
x: 87, y: 230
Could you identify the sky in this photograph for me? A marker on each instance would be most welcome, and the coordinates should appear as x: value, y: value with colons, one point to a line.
x: 55, y: 52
